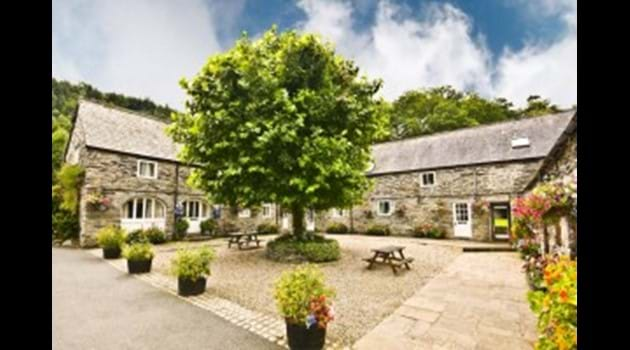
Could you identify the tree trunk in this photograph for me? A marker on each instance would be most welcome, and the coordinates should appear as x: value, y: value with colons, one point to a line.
x: 297, y: 213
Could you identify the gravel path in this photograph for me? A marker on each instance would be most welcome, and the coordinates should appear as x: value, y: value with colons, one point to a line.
x: 364, y: 297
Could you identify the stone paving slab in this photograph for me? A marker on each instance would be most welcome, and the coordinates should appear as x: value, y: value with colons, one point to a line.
x: 478, y: 302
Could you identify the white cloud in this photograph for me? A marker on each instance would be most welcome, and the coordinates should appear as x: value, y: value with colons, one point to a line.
x: 438, y: 48
x: 140, y: 48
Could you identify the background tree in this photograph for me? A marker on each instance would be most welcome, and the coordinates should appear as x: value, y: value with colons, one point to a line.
x: 282, y: 119
x: 427, y: 111
x: 536, y: 106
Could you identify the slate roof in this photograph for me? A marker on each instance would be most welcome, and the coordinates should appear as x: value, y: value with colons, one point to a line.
x: 477, y: 145
x: 121, y: 130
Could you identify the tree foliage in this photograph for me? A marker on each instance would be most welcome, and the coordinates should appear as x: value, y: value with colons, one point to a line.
x: 427, y: 111
x: 281, y: 119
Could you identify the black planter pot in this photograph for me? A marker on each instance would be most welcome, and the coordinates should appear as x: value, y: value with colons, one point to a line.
x: 302, y: 338
x: 111, y: 253
x: 187, y: 287
x: 139, y: 266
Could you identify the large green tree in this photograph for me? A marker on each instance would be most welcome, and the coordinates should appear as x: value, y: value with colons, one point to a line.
x: 281, y: 119
x: 537, y: 106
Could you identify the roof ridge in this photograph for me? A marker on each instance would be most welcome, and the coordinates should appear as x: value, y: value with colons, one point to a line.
x: 110, y: 105
x: 480, y: 126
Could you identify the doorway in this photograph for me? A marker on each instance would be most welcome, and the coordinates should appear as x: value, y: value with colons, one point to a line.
x: 500, y: 224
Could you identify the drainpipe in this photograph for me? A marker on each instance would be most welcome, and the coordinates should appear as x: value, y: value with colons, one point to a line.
x: 175, y: 197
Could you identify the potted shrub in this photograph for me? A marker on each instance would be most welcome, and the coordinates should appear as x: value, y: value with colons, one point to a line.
x: 192, y: 266
x: 139, y: 257
x: 136, y: 236
x: 111, y: 239
x: 181, y: 228
x: 208, y: 226
x: 304, y: 301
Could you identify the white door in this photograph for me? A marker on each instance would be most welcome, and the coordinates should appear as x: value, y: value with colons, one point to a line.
x: 310, y: 221
x: 462, y: 223
x: 285, y: 221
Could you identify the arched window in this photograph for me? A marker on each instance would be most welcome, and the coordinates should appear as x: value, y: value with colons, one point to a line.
x: 143, y: 208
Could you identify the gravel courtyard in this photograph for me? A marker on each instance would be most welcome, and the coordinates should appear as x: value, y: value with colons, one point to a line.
x: 364, y: 297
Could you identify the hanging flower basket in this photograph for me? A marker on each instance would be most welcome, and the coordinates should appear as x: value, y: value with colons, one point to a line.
x: 98, y: 201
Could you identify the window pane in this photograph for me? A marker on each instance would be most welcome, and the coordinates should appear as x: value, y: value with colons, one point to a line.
x: 148, y: 213
x: 151, y: 169
x: 129, y: 209
x: 185, y: 207
x: 139, y: 208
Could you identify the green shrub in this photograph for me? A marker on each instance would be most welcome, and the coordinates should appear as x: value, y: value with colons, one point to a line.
x: 138, y: 251
x: 436, y: 233
x: 429, y: 231
x: 337, y: 227
x: 192, y: 264
x: 297, y: 290
x: 181, y: 228
x: 110, y: 237
x: 313, y: 248
x: 136, y: 236
x: 378, y: 230
x: 209, y: 226
x: 65, y: 225
x: 267, y: 228
x: 556, y: 306
x: 155, y: 235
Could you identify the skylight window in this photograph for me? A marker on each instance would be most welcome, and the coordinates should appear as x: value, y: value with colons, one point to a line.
x: 520, y: 142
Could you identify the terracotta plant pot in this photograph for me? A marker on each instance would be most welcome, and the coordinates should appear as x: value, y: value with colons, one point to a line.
x: 139, y: 266
x: 303, y: 338
x: 111, y: 253
x: 187, y: 287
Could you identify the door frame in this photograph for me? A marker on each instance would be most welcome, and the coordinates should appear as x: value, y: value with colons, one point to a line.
x: 509, y: 217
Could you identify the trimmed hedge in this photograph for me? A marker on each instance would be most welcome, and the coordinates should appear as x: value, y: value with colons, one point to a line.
x: 151, y: 235
x: 378, y: 230
x: 209, y: 226
x: 337, y: 228
x: 313, y: 248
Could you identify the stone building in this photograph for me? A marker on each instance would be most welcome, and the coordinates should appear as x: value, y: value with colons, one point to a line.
x: 129, y: 159
x: 461, y: 181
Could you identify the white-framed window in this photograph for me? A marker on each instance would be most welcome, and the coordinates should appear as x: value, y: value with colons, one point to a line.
x: 384, y: 207
x: 338, y: 213
x: 266, y: 211
x: 427, y: 179
x: 147, y: 169
x: 194, y: 210
x: 244, y: 213
x: 143, y: 208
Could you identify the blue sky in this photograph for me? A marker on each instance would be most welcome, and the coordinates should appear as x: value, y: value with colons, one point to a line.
x: 499, y: 48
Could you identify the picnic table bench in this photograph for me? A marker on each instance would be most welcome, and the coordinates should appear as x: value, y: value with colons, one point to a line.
x: 243, y: 240
x: 387, y: 255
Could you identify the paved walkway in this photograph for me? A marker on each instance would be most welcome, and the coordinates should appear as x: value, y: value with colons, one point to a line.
x: 97, y: 307
x: 478, y: 302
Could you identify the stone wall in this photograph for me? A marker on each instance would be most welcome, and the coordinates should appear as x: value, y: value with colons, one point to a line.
x: 477, y: 185
x: 114, y: 175
x: 563, y: 161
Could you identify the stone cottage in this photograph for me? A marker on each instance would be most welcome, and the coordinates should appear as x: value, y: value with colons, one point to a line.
x: 129, y: 159
x: 461, y: 180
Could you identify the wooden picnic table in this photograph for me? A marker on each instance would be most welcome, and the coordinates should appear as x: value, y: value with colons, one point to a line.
x: 243, y: 239
x: 387, y: 255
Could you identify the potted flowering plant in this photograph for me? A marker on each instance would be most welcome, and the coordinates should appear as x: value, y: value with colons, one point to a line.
x: 304, y: 301
x: 98, y: 201
x: 111, y: 239
x: 139, y: 257
x: 191, y: 266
